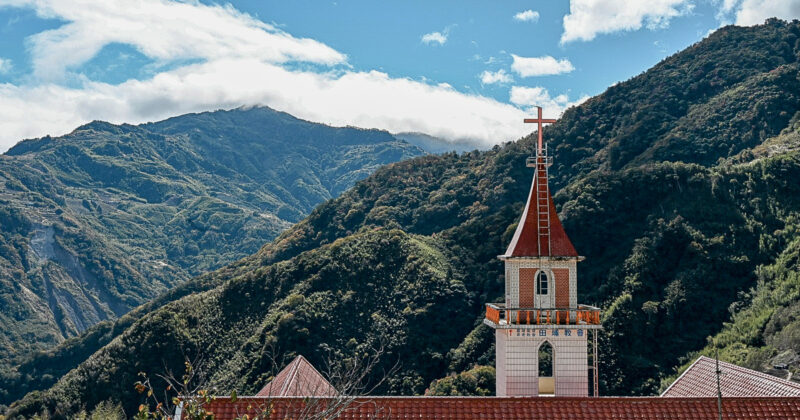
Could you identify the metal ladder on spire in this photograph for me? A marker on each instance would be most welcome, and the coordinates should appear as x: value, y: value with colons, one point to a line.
x: 543, y: 202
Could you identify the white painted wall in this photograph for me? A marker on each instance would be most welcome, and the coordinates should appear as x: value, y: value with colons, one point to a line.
x: 517, y: 361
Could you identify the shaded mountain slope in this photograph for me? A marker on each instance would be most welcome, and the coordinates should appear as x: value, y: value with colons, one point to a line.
x: 107, y: 217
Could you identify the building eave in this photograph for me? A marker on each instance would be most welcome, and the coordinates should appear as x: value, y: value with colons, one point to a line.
x: 505, y: 257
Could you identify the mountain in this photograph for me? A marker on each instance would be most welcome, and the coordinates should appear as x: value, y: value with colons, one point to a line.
x: 762, y: 333
x: 679, y: 186
x: 437, y: 145
x: 103, y: 219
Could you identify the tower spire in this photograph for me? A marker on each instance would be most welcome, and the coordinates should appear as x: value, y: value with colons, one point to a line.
x: 539, y: 231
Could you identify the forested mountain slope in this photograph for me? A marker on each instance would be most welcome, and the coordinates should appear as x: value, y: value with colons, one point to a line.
x: 764, y: 330
x: 107, y: 217
x: 677, y: 185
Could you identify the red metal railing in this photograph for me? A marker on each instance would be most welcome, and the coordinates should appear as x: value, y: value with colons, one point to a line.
x: 584, y: 314
x: 492, y: 313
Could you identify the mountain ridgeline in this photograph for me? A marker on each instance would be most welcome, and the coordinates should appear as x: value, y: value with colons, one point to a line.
x: 679, y: 186
x: 109, y: 216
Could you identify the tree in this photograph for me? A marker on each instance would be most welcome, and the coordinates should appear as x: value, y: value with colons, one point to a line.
x: 192, y: 395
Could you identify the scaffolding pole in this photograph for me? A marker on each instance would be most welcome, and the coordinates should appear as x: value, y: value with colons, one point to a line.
x: 595, y: 372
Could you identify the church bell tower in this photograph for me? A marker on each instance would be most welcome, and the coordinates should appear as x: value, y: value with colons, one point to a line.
x: 541, y: 332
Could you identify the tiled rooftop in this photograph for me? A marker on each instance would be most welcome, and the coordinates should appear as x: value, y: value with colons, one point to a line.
x: 298, y: 378
x: 553, y: 408
x: 700, y: 380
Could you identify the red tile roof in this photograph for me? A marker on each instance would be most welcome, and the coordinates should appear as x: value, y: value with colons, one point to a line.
x: 466, y: 408
x: 525, y: 242
x: 700, y: 380
x: 298, y: 379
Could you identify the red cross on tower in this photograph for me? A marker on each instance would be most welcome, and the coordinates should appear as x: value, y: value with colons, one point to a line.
x: 539, y: 121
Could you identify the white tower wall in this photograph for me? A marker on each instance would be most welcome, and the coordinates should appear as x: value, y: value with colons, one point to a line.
x: 517, y: 360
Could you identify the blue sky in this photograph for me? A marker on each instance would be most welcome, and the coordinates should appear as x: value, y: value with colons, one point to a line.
x: 453, y: 69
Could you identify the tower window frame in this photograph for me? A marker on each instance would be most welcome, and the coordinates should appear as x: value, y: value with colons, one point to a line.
x: 542, y: 283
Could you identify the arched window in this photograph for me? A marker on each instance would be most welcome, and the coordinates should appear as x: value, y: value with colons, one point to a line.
x: 541, y: 283
x: 546, y: 359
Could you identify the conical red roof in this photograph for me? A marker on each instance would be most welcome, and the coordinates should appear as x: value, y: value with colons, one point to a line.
x: 534, y: 237
x: 298, y: 379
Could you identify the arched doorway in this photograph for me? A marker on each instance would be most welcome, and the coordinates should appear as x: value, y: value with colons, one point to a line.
x: 546, y: 355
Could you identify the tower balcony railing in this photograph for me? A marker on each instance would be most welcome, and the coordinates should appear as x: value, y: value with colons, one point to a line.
x: 498, y: 314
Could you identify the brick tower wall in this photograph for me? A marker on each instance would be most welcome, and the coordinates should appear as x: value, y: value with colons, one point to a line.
x: 562, y: 287
x: 521, y: 283
x: 527, y: 286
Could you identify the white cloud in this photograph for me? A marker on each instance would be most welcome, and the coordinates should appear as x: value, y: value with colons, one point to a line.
x: 236, y: 60
x: 437, y: 110
x: 727, y: 5
x: 163, y: 30
x: 434, y: 37
x: 437, y: 37
x: 540, y: 66
x: 753, y: 12
x: 588, y: 18
x: 552, y: 107
x: 5, y: 65
x: 527, y: 16
x: 499, y: 76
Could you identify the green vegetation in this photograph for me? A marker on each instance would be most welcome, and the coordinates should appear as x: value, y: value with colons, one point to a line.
x: 106, y: 410
x: 406, y: 283
x: 479, y: 380
x: 108, y: 217
x: 679, y: 186
x: 765, y: 332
